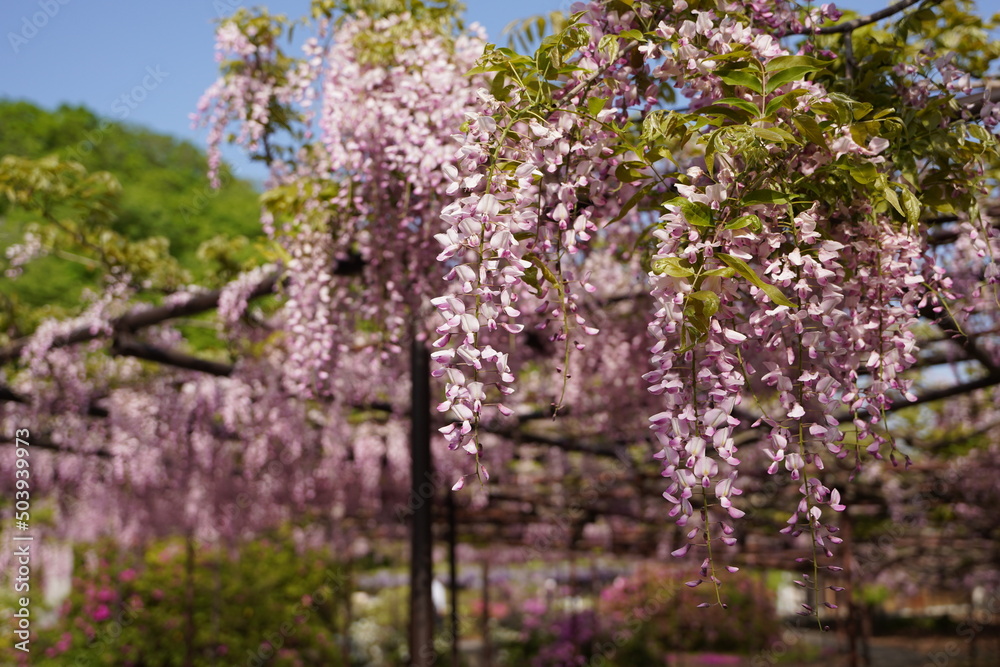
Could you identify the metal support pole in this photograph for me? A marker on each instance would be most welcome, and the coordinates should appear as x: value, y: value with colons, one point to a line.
x: 453, y: 577
x: 421, y: 477
x: 485, y: 618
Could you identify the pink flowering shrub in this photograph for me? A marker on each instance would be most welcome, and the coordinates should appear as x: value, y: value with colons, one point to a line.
x: 641, y: 618
x: 268, y: 601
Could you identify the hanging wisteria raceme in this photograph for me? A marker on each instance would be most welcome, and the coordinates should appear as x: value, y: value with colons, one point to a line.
x: 257, y: 84
x: 359, y: 198
x: 539, y: 184
x: 789, y: 271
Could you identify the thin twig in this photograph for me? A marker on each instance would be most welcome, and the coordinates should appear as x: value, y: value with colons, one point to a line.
x: 861, y: 21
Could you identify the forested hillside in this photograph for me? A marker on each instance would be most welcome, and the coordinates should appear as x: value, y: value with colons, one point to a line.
x: 164, y: 192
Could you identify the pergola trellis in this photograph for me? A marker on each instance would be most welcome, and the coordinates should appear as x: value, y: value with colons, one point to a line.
x: 627, y: 498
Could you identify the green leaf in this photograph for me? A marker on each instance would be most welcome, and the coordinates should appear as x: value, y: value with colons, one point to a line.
x: 864, y: 173
x: 836, y: 111
x: 626, y: 174
x: 764, y: 196
x: 740, y: 116
x: 609, y: 45
x: 710, y: 148
x: 785, y: 62
x: 663, y: 123
x: 630, y: 204
x: 736, y: 54
x: 480, y: 69
x: 890, y: 196
x: 750, y: 275
x: 774, y: 134
x: 980, y: 133
x: 497, y: 88
x: 724, y: 272
x: 861, y: 109
x: 742, y: 77
x: 749, y: 220
x: 595, y: 105
x: 543, y: 267
x: 911, y: 206
x: 786, y: 101
x: 938, y: 197
x: 746, y: 105
x: 671, y: 266
x: 696, y: 214
x: 786, y: 76
x: 634, y: 35
x: 530, y: 279
x: 710, y: 301
x: 811, y: 130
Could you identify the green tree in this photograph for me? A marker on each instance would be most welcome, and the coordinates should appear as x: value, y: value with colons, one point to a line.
x: 156, y: 194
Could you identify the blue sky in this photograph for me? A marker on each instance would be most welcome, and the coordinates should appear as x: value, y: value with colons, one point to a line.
x: 148, y: 62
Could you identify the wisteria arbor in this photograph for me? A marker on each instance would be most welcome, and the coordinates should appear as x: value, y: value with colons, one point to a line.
x: 761, y: 229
